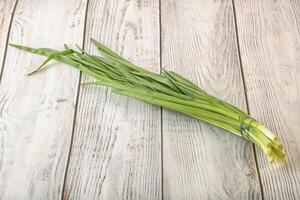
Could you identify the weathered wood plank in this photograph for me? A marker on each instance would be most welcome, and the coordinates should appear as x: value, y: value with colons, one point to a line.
x: 6, y: 12
x: 199, y: 160
x: 269, y: 35
x: 36, y: 113
x: 116, y: 151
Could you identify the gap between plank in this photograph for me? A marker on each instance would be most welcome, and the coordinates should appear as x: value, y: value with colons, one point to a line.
x: 246, y: 95
x: 76, y: 105
x: 161, y: 108
x: 7, y: 39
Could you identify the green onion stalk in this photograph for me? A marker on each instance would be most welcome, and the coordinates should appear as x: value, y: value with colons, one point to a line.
x: 168, y: 89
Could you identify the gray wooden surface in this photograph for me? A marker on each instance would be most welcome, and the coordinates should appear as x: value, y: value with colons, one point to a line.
x: 62, y: 140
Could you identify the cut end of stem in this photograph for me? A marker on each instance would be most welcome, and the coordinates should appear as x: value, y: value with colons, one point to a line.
x: 274, y: 148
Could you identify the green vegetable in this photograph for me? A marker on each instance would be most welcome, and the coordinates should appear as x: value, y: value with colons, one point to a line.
x: 168, y: 90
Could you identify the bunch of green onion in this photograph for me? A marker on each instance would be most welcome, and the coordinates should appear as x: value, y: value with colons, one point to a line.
x: 168, y: 90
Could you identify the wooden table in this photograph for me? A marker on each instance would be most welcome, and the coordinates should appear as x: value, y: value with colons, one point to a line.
x: 59, y: 139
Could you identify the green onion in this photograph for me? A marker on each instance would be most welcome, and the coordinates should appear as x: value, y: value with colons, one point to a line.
x: 169, y: 90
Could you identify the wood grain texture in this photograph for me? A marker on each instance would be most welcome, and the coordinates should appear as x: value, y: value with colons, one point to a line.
x: 116, y: 151
x: 269, y: 35
x: 36, y: 112
x: 201, y: 161
x: 6, y: 11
